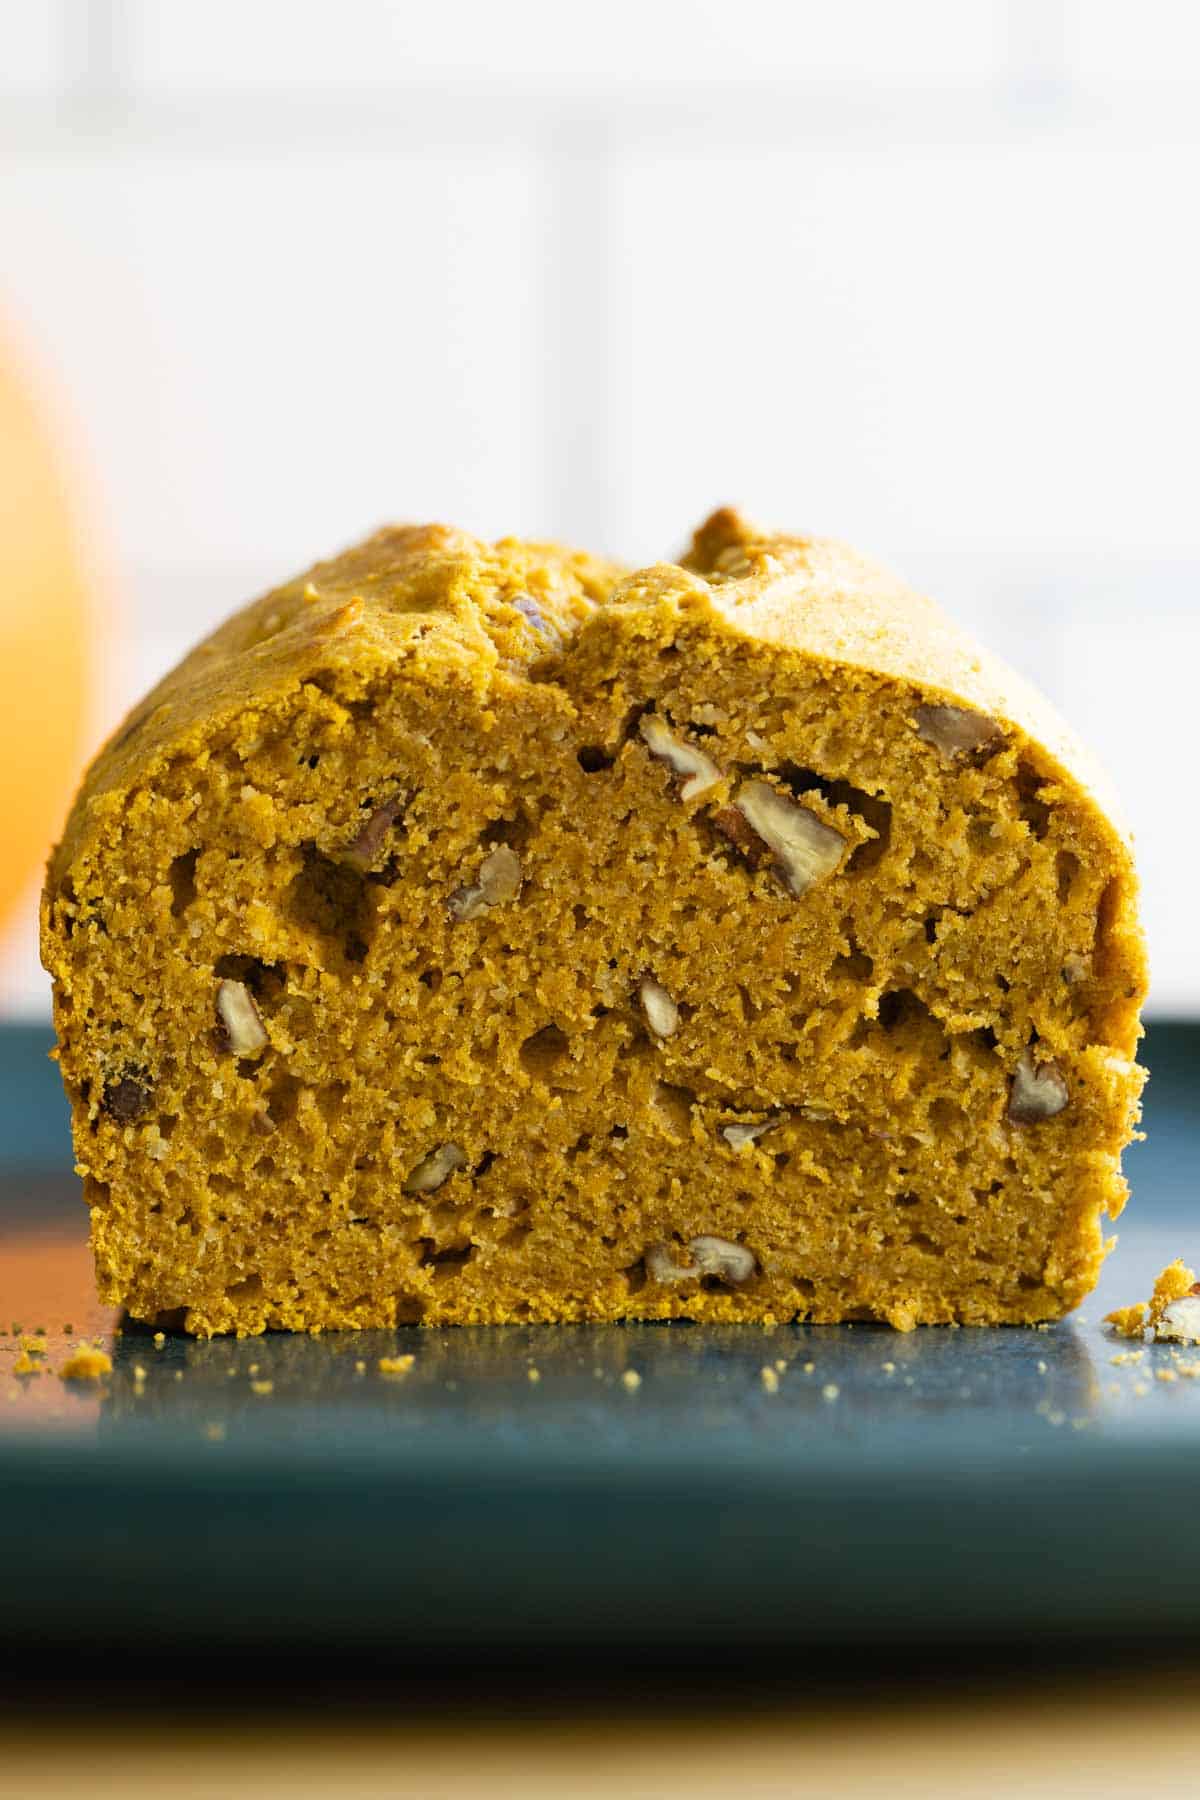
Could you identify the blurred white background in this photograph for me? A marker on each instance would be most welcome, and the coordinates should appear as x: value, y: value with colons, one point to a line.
x: 922, y: 275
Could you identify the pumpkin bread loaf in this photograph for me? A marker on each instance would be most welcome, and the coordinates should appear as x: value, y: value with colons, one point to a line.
x: 472, y: 933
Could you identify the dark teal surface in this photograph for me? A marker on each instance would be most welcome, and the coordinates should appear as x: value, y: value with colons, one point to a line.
x: 35, y: 1129
x: 1012, y: 1485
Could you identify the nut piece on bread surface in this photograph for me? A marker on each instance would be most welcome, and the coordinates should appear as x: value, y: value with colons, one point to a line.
x: 425, y: 820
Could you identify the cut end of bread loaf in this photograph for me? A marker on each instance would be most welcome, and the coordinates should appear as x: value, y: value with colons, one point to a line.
x: 474, y: 933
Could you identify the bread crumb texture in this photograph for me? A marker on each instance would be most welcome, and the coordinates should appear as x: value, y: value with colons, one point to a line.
x: 87, y: 1363
x: 473, y: 933
x: 1171, y: 1313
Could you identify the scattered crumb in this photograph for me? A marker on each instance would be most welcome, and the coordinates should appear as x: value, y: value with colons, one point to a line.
x: 536, y: 1374
x: 809, y: 1368
x: 179, y: 1374
x: 88, y: 1363
x: 1044, y: 1326
x: 139, y: 1373
x: 1128, y: 1356
x: 781, y: 1364
x: 1056, y: 1418
x: 253, y: 1369
x: 160, y: 1338
x: 1042, y: 1367
x: 33, y: 1345
x: 1169, y: 1313
x: 262, y: 1387
x: 396, y: 1365
x: 889, y: 1368
x: 830, y: 1391
x: 1128, y: 1321
x: 25, y: 1365
x: 1165, y: 1375
x: 630, y: 1379
x: 360, y: 1368
x: 770, y: 1380
x: 1141, y: 1387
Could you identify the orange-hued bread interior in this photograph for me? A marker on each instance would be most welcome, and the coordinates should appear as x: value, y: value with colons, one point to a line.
x: 475, y: 933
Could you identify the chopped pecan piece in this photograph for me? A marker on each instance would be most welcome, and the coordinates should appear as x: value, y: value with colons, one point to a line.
x: 695, y: 771
x: 361, y: 853
x: 803, y: 848
x: 661, y: 1012
x: 245, y: 1033
x: 126, y: 1099
x: 739, y: 1135
x: 499, y: 881
x: 955, y: 731
x: 1039, y: 1091
x: 710, y: 1256
x: 435, y: 1168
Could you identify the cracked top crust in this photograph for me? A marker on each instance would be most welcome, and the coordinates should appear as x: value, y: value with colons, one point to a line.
x: 479, y: 613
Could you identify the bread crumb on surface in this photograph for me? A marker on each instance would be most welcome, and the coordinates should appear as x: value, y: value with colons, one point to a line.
x: 160, y: 1338
x: 262, y: 1387
x: 830, y: 1391
x: 630, y: 1379
x: 34, y: 1346
x: 86, y: 1364
x: 1172, y: 1311
x: 396, y: 1365
x: 770, y: 1380
x: 534, y: 1374
x: 25, y: 1365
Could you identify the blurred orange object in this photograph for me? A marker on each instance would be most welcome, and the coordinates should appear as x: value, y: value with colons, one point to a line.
x: 44, y: 634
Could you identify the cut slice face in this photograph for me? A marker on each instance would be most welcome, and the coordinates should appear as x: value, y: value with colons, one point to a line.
x: 474, y: 933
